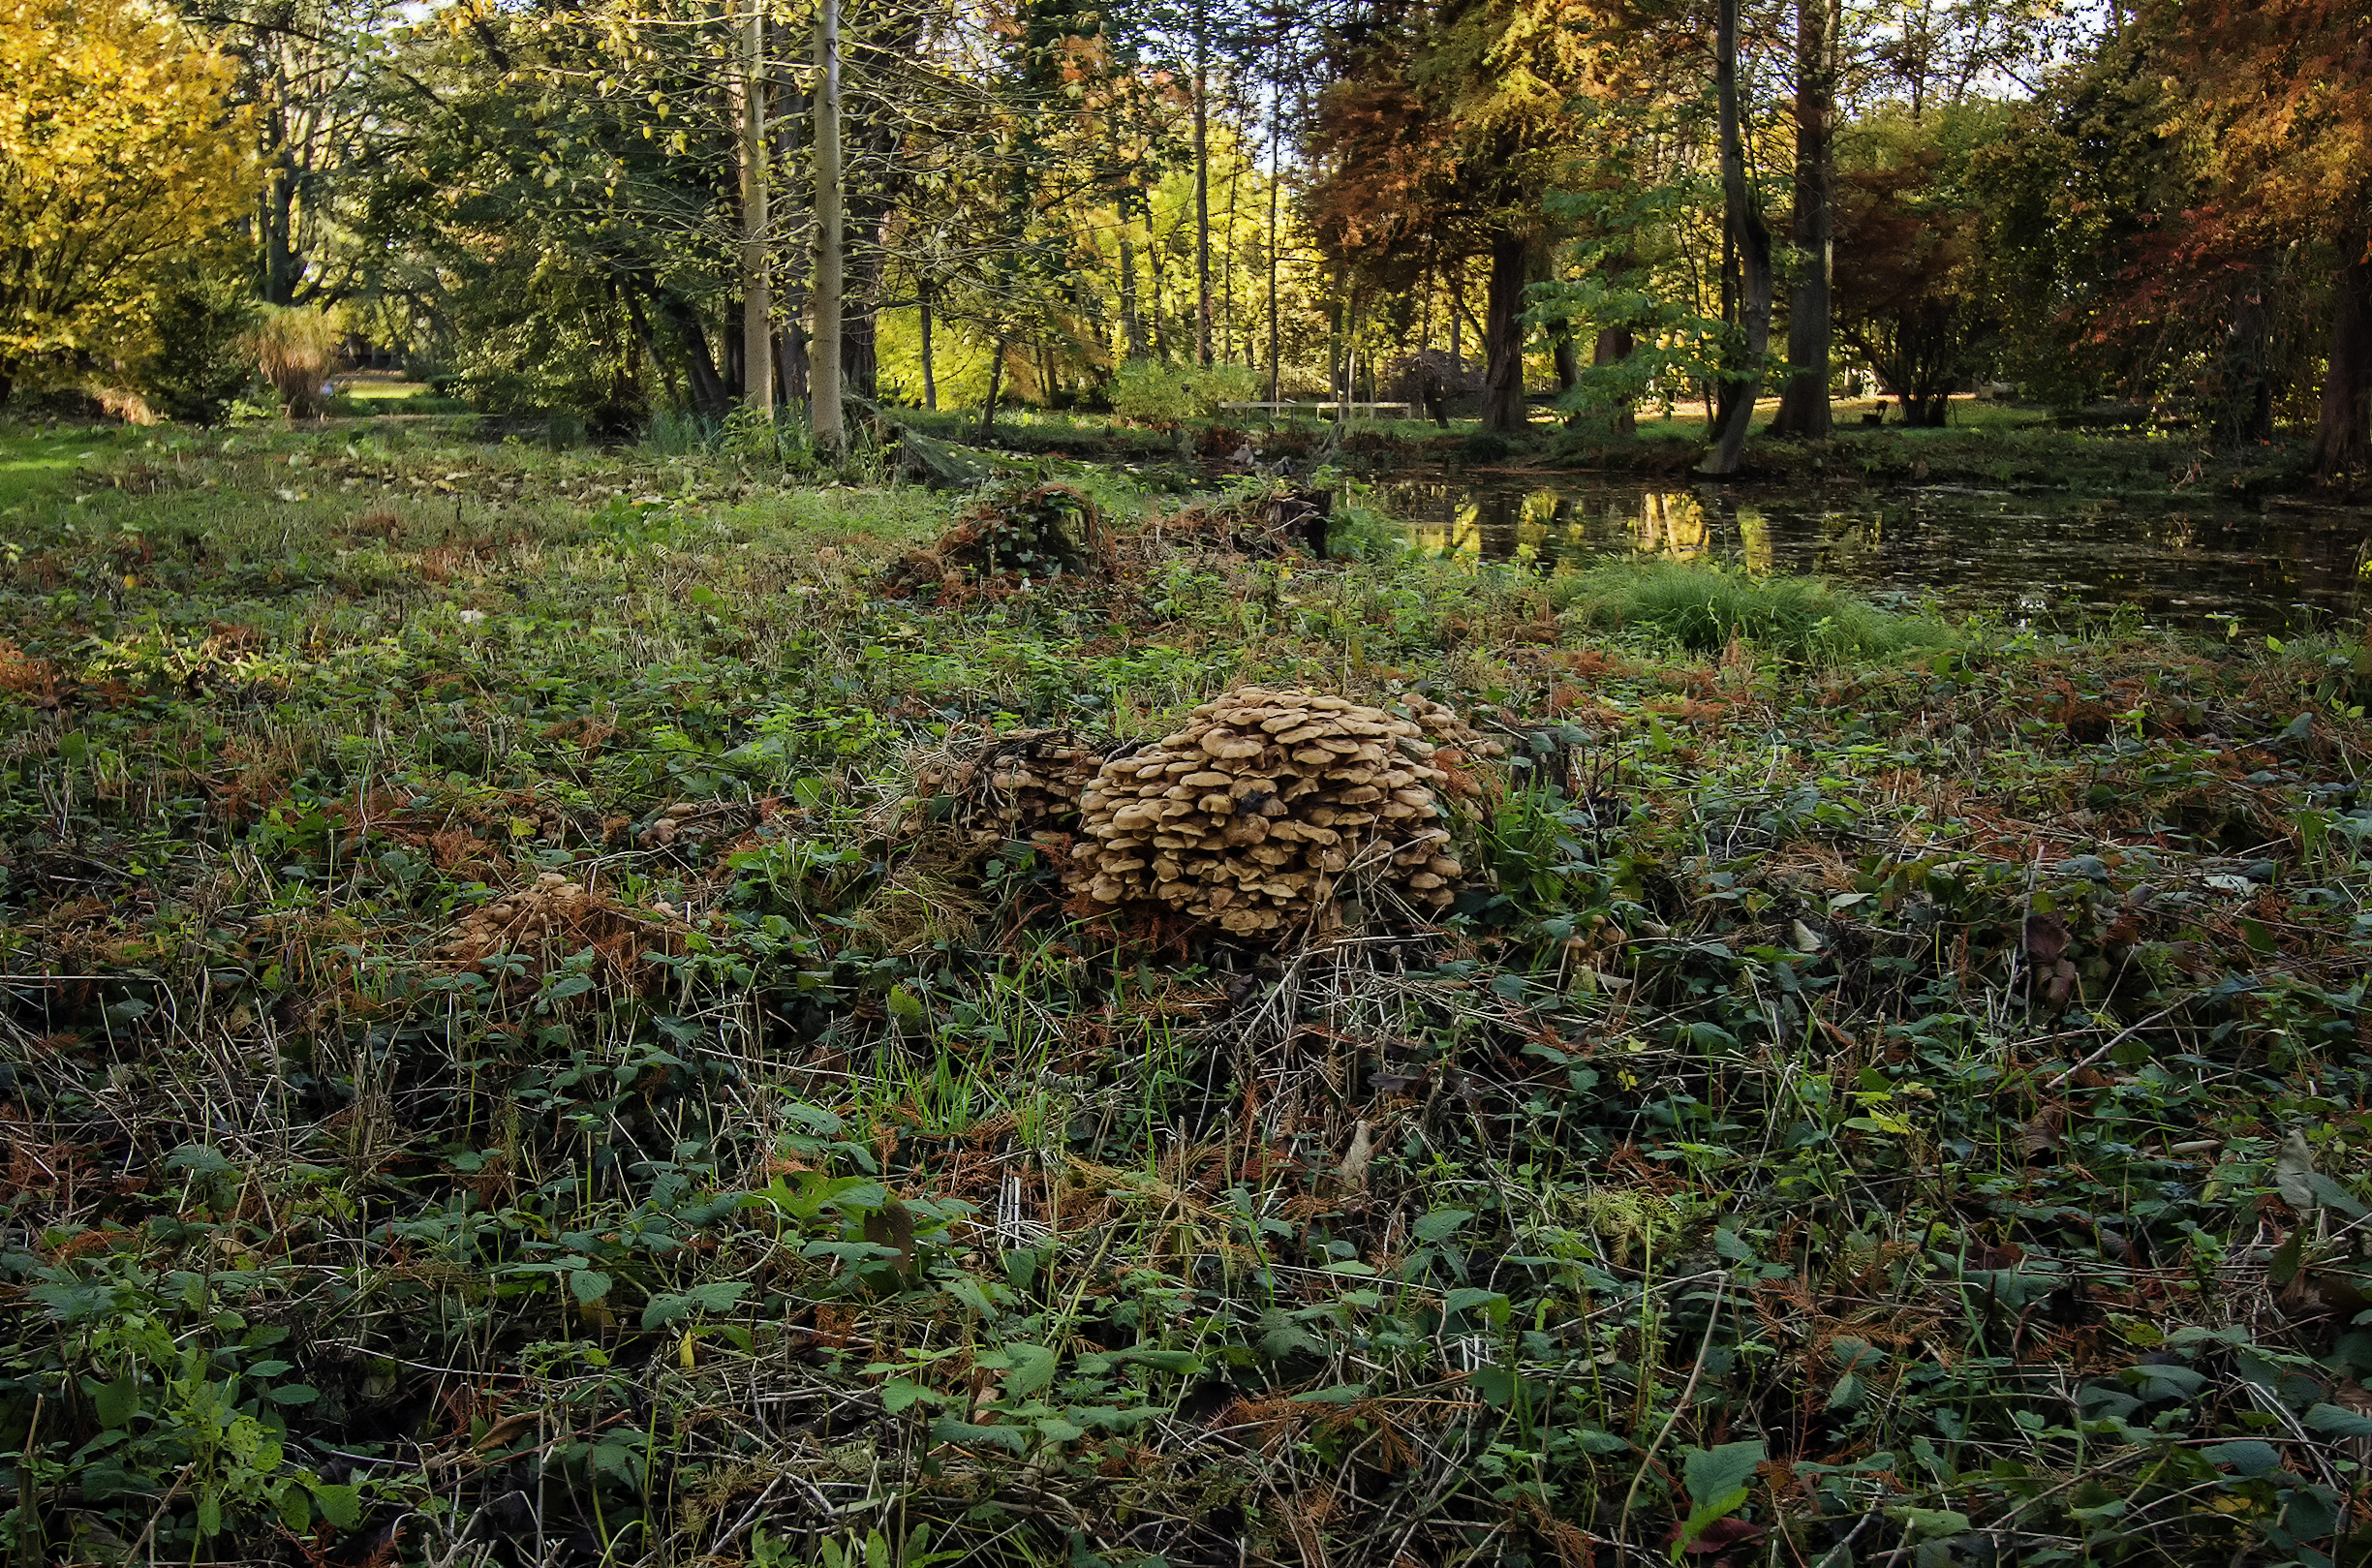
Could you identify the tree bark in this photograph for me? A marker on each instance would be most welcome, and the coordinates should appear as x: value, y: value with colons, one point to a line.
x: 930, y: 375
x: 1612, y: 347
x: 824, y: 299
x: 1202, y: 185
x: 1275, y: 185
x: 1743, y: 220
x: 710, y: 395
x: 1803, y: 406
x: 1457, y: 322
x: 995, y: 383
x: 1503, y: 333
x: 1132, y: 324
x: 2343, y: 437
x: 756, y: 295
x: 2248, y: 356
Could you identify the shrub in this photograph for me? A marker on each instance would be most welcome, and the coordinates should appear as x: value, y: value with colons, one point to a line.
x: 1155, y: 391
x: 295, y: 349
x: 201, y: 361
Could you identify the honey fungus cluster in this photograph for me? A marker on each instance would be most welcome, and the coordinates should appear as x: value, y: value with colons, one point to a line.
x: 1254, y: 816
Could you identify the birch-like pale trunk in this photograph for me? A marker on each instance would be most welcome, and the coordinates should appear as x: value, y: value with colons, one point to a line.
x: 756, y: 293
x: 823, y: 301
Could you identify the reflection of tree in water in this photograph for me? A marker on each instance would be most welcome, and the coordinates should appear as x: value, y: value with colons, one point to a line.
x: 2026, y: 555
x: 1670, y: 523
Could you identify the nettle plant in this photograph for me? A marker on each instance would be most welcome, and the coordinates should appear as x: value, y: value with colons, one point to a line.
x: 172, y: 1393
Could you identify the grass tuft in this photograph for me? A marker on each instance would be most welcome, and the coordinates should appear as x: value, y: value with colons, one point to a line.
x: 1704, y: 608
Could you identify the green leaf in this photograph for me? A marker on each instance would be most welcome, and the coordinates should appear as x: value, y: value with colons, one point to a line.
x: 292, y: 1394
x: 295, y: 1511
x: 209, y: 1513
x: 2165, y: 1381
x: 1495, y: 1384
x: 899, y: 1394
x: 1339, y: 1394
x: 116, y: 1403
x: 340, y: 1505
x: 2336, y: 1421
x: 1033, y: 1368
x: 1929, y: 1523
x: 589, y: 1285
x: 1183, y: 1362
x: 2249, y: 1456
x: 1469, y: 1298
x: 1057, y: 1430
x: 1716, y: 1472
x: 1440, y: 1223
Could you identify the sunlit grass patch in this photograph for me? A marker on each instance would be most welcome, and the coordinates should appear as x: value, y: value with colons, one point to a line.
x: 1704, y: 608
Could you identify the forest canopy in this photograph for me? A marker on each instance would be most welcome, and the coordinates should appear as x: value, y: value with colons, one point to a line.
x: 626, y: 211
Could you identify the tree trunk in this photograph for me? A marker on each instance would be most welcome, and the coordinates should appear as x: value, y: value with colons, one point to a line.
x: 2343, y: 437
x: 930, y: 375
x: 1202, y: 185
x: 1503, y: 334
x: 1154, y: 275
x: 1803, y: 406
x: 1275, y: 184
x: 824, y: 299
x: 757, y: 296
x: 1458, y: 324
x: 710, y: 395
x: 2247, y: 418
x: 1568, y: 362
x: 995, y: 382
x: 1612, y: 347
x: 1132, y: 324
x: 1743, y: 219
x: 860, y: 361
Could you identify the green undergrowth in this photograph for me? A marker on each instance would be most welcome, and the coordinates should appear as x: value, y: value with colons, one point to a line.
x: 501, y: 1063
x: 1704, y: 608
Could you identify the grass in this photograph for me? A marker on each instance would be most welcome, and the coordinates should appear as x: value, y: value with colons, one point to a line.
x: 1873, y: 1099
x: 1704, y: 608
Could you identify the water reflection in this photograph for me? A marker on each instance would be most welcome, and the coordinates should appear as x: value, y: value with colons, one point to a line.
x: 2018, y: 555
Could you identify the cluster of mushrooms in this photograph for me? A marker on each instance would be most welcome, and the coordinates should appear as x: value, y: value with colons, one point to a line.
x: 551, y: 905
x: 1023, y: 782
x: 1254, y: 814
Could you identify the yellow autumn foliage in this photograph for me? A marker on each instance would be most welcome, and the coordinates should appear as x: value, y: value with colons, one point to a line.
x: 119, y: 153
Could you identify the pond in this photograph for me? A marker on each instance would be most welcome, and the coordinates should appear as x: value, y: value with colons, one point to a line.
x: 2024, y: 557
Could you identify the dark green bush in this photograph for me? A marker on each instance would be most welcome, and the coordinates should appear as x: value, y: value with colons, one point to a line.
x: 203, y: 360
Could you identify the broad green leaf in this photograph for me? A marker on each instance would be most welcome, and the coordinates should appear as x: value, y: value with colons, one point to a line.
x: 2248, y: 1455
x: 1469, y: 1298
x: 588, y: 1285
x: 2336, y: 1421
x: 340, y: 1505
x: 1440, y: 1223
x: 116, y: 1403
x: 1716, y: 1472
x: 1033, y: 1368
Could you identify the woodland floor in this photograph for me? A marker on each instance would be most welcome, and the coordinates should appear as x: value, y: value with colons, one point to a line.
x: 1888, y: 1093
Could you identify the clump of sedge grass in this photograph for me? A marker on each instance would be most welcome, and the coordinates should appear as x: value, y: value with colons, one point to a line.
x: 1704, y: 608
x: 295, y: 349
